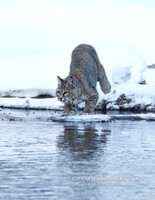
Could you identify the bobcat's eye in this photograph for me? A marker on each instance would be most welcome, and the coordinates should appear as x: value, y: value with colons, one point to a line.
x: 65, y: 93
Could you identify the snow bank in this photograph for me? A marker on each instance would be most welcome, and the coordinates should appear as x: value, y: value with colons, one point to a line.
x: 122, y: 63
x: 129, y: 96
x: 28, y: 103
x: 34, y: 93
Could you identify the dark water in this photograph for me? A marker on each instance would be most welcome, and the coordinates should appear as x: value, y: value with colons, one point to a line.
x: 40, y: 159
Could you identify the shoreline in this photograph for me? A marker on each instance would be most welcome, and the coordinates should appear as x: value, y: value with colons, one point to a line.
x: 21, y: 115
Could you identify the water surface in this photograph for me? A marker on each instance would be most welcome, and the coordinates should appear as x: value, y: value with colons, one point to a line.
x: 40, y: 159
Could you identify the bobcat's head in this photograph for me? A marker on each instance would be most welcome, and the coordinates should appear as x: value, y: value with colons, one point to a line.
x: 66, y: 91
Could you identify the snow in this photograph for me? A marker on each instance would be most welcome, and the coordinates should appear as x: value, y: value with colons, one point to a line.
x: 149, y: 76
x: 27, y: 93
x: 28, y: 103
x: 81, y: 118
x: 143, y: 95
x: 101, y: 118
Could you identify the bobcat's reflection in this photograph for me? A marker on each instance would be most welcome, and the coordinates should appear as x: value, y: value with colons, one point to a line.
x: 80, y: 143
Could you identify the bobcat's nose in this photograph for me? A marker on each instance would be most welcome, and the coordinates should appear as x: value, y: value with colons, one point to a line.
x: 61, y: 99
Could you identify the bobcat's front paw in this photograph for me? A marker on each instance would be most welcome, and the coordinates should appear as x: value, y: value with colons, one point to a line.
x: 66, y: 113
x: 67, y: 109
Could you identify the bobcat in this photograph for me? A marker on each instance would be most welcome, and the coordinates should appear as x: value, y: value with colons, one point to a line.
x: 80, y: 84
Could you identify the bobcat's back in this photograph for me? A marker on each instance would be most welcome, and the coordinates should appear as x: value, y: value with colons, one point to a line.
x: 84, y: 58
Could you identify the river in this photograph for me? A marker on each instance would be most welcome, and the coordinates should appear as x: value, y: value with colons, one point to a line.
x: 45, y: 160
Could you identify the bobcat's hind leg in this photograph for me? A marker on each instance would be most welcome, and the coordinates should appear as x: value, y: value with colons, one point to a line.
x: 103, y: 80
x: 91, y: 103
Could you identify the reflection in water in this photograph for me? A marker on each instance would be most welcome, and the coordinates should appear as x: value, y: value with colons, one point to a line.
x: 80, y: 149
x: 81, y: 142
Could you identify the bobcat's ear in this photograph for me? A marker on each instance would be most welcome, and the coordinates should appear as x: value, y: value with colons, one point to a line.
x: 59, y: 80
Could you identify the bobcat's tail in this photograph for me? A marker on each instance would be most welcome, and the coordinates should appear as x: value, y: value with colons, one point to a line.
x: 103, y: 80
x: 102, y: 77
